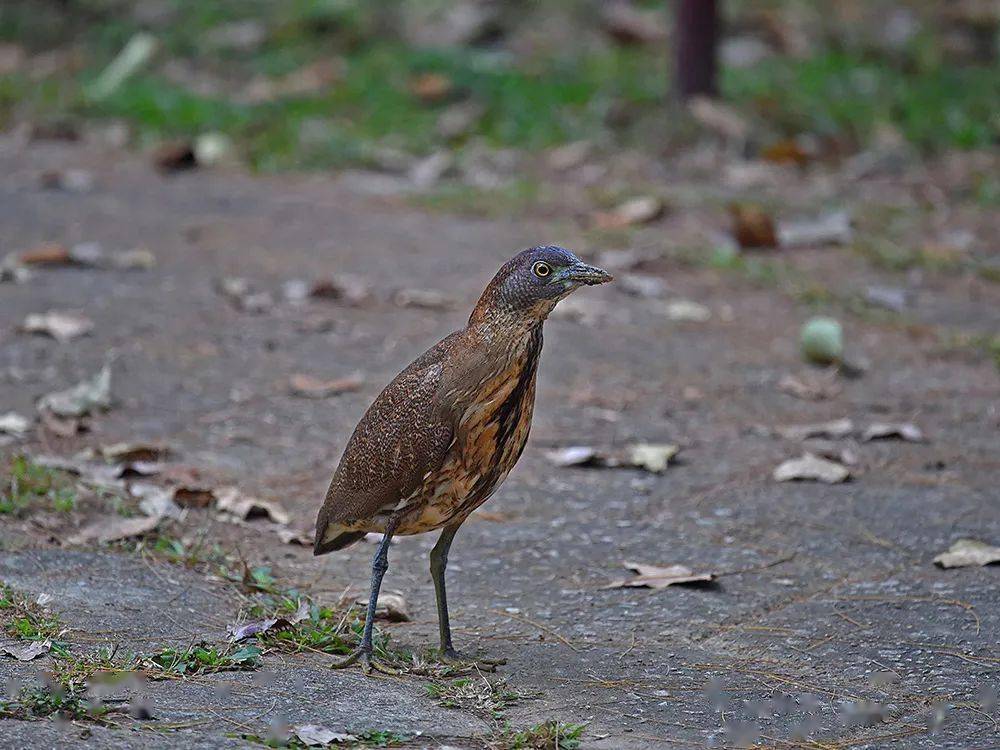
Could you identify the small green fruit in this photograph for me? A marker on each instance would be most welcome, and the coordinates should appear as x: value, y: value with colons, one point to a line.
x: 822, y: 341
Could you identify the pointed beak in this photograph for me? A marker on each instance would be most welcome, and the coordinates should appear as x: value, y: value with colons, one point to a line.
x: 581, y: 273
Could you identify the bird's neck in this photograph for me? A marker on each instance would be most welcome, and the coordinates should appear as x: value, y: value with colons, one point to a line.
x: 506, y: 328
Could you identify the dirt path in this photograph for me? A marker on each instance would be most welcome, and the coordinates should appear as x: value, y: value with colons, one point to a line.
x: 829, y: 620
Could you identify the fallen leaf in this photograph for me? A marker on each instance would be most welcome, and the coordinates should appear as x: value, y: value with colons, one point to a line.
x: 641, y: 210
x: 46, y: 254
x: 809, y: 467
x: 837, y: 428
x: 685, y: 310
x: 129, y: 452
x: 427, y: 299
x: 311, y: 78
x: 788, y: 151
x: 652, y: 457
x: 243, y: 296
x: 829, y: 229
x: 26, y: 651
x: 175, y: 156
x: 893, y: 430
x: 295, y: 536
x: 313, y: 735
x: 13, y: 424
x: 570, y: 155
x: 344, y: 288
x: 61, y: 325
x: 967, y: 552
x: 809, y: 387
x: 68, y: 180
x: 81, y: 399
x: 628, y: 25
x: 115, y: 529
x: 752, y: 226
x: 573, y: 455
x: 390, y: 606
x: 307, y: 386
x: 431, y: 88
x: 719, y: 117
x: 428, y: 171
x: 156, y: 501
x: 459, y: 119
x: 258, y: 627
x: 62, y: 426
x: 193, y: 496
x: 657, y: 577
x: 231, y: 501
x: 641, y: 285
x: 135, y: 55
x: 136, y: 259
x: 888, y: 297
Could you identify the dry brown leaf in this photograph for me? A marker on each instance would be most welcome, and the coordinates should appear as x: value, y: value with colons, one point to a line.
x: 26, y: 651
x: 657, y: 577
x: 232, y: 502
x: 115, y: 529
x: 427, y: 299
x: 629, y: 25
x: 787, y: 151
x: 13, y: 424
x: 893, y: 430
x: 753, y: 227
x: 81, y: 399
x: 834, y: 429
x: 129, y: 452
x: 46, y: 254
x: 307, y: 386
x: 968, y: 552
x: 431, y: 88
x: 641, y: 210
x: 809, y: 467
x: 390, y: 606
x: 809, y: 388
x: 61, y: 325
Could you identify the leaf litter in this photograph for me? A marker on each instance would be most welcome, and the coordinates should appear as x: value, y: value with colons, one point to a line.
x: 61, y: 325
x: 81, y: 399
x: 652, y: 457
x: 309, y: 386
x: 810, y: 467
x: 659, y: 577
x: 968, y: 552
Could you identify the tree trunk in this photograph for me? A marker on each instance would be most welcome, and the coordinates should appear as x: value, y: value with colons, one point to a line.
x: 695, y: 33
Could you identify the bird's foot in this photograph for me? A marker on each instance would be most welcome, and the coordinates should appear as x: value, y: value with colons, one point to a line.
x: 485, y: 664
x: 369, y: 663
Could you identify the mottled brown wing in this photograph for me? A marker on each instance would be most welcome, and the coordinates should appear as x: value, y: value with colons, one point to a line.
x: 404, y: 434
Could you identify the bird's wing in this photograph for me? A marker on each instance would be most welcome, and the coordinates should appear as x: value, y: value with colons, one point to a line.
x: 404, y: 434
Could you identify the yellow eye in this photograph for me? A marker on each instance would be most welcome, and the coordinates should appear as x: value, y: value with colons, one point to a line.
x: 541, y: 269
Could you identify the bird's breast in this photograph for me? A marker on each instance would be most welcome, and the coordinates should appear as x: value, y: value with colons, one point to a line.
x: 489, y: 439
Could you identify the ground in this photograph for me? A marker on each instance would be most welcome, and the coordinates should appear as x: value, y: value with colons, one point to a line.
x: 828, y: 626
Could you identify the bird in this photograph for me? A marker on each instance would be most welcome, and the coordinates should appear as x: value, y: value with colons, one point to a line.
x: 444, y: 434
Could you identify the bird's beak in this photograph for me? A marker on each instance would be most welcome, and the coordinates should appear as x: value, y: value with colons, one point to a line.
x: 581, y: 273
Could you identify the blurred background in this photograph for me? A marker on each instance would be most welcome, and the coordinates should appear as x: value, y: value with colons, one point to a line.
x: 315, y: 84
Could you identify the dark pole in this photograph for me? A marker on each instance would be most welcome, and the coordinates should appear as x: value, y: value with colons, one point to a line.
x: 695, y: 32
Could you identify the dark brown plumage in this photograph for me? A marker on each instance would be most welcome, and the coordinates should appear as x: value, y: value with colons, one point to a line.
x: 443, y: 435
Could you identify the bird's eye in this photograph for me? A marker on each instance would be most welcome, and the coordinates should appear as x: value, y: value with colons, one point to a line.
x: 541, y: 269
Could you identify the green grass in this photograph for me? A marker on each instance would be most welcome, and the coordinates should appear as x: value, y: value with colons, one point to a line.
x: 31, y: 486
x: 479, y: 695
x: 549, y: 735
x: 23, y: 618
x: 527, y: 101
x: 201, y: 658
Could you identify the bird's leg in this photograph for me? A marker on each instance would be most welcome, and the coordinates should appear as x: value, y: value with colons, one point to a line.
x: 365, y: 651
x: 439, y: 561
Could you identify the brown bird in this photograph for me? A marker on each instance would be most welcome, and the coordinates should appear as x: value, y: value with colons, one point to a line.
x: 443, y: 435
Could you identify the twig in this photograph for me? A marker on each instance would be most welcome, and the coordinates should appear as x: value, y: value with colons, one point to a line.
x: 538, y: 625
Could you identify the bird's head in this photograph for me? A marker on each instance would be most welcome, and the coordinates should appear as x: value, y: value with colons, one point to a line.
x: 530, y: 284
